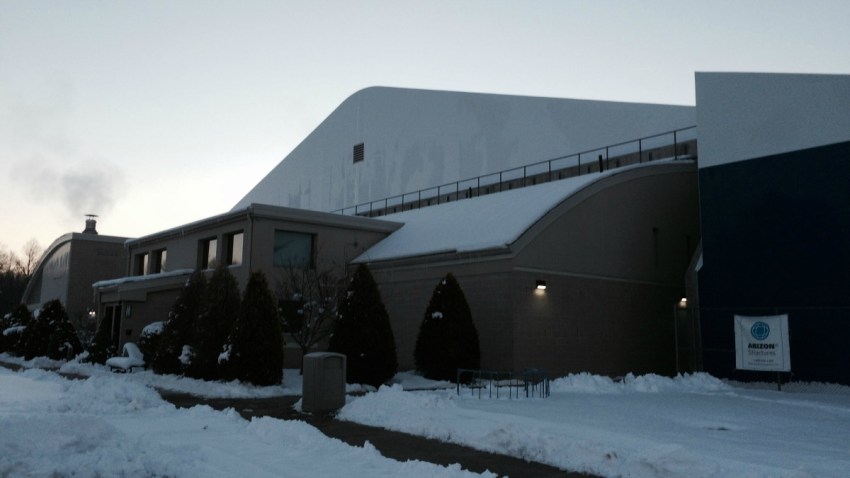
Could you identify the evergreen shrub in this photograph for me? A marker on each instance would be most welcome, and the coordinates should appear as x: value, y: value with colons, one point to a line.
x: 177, y: 330
x: 254, y: 352
x: 447, y: 337
x: 102, y: 347
x: 219, y: 308
x: 37, y: 335
x: 51, y: 334
x: 363, y: 333
x: 12, y: 330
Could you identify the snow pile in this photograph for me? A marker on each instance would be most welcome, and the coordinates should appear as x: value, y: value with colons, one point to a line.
x: 383, y: 409
x: 175, y: 383
x: 111, y: 426
x: 37, y: 362
x: 414, y: 381
x: 650, y: 383
x: 154, y: 328
x: 18, y: 329
x: 640, y: 426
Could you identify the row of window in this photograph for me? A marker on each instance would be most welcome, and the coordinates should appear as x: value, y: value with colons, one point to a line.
x: 150, y: 264
x: 290, y: 249
x: 208, y: 251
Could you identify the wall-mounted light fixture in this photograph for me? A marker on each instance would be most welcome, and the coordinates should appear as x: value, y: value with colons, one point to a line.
x: 683, y: 303
x: 541, y: 284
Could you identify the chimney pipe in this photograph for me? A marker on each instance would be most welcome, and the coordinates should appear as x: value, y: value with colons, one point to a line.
x: 91, y: 224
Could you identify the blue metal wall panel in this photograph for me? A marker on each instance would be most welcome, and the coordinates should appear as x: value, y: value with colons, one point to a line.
x: 776, y: 239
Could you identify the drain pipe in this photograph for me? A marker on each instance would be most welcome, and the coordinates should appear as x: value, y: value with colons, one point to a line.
x: 251, y: 237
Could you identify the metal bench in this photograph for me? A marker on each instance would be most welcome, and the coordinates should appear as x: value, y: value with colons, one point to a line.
x: 131, y: 358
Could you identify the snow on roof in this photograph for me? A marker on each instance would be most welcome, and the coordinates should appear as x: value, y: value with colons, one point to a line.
x: 486, y: 222
x: 128, y: 279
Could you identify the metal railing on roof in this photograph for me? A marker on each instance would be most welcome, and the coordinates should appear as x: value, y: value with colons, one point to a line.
x: 677, y: 144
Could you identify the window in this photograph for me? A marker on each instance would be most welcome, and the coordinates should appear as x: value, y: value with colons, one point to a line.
x: 293, y: 249
x: 359, y: 152
x: 234, y: 249
x: 208, y: 251
x: 140, y: 267
x: 158, y: 261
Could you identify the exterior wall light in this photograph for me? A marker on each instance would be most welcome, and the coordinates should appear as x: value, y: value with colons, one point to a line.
x: 541, y: 284
x: 683, y: 303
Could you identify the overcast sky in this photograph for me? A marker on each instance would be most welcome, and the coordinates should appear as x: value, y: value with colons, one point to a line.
x: 152, y: 114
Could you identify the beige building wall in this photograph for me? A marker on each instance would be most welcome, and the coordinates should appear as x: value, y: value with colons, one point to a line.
x: 614, y: 258
x: 614, y: 261
x: 147, y: 298
x: 406, y: 292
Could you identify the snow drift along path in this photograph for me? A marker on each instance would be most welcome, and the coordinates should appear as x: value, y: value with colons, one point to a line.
x: 649, y: 426
x: 113, y: 426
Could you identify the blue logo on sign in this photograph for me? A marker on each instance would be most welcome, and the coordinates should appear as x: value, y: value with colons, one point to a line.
x: 760, y: 330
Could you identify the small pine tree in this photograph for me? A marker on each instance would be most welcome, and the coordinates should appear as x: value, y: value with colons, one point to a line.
x: 51, y: 334
x: 37, y: 335
x: 447, y: 337
x: 219, y: 309
x: 363, y: 332
x: 256, y: 344
x: 102, y: 347
x: 14, y: 327
x: 177, y: 331
x: 63, y: 342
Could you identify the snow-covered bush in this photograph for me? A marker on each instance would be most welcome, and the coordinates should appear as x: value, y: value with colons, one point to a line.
x: 12, y: 329
x: 149, y: 340
x: 254, y: 352
x: 447, y: 337
x: 177, y: 330
x: 64, y: 344
x: 219, y: 309
x: 102, y: 347
x: 50, y: 334
x: 35, y: 337
x: 363, y: 332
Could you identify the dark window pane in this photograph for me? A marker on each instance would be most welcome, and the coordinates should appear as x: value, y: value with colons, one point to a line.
x: 293, y: 249
x: 234, y: 249
x: 208, y: 253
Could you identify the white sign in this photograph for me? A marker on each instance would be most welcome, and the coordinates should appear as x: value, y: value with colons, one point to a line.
x: 761, y: 343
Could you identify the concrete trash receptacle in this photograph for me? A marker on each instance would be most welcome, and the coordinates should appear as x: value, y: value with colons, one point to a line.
x: 324, y: 382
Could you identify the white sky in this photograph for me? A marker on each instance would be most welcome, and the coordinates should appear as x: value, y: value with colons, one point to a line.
x: 157, y: 113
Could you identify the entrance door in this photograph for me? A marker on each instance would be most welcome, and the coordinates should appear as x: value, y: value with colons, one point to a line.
x: 113, y: 313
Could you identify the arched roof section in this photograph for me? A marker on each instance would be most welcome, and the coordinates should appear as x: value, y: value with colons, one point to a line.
x: 34, y: 284
x: 501, y: 222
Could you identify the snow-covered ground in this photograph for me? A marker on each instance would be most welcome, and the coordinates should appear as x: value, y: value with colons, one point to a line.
x: 113, y: 425
x: 648, y: 426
